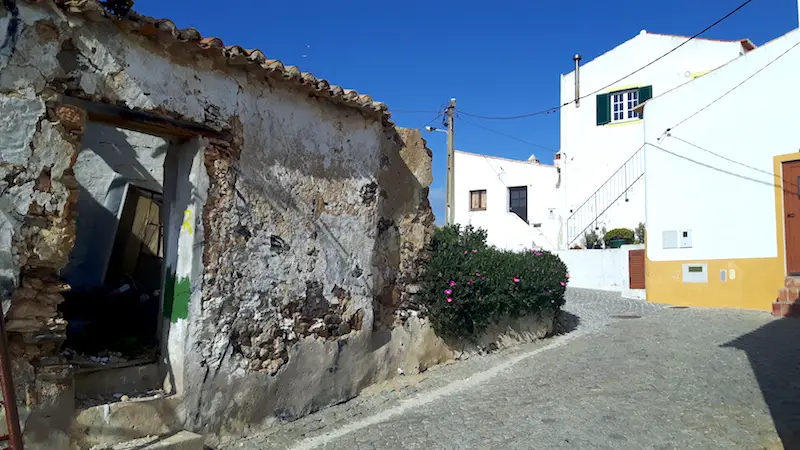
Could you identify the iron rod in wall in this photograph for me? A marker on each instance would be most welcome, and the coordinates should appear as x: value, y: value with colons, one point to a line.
x: 7, y: 385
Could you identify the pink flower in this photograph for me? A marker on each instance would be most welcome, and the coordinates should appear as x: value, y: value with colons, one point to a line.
x: 449, y: 300
x: 465, y: 252
x: 563, y: 284
x: 448, y: 291
x: 452, y: 283
x: 483, y: 278
x: 477, y: 274
x: 470, y: 282
x: 516, y: 279
x: 567, y: 276
x: 549, y: 291
x: 538, y: 253
x: 474, y: 251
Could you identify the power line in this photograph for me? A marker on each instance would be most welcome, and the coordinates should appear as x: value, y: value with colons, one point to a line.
x: 724, y: 157
x: 507, y: 135
x: 732, y: 89
x: 413, y: 111
x: 556, y: 108
x: 727, y: 172
x: 432, y: 120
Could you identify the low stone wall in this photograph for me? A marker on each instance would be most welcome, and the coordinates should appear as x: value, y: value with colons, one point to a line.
x: 423, y: 349
x: 322, y: 372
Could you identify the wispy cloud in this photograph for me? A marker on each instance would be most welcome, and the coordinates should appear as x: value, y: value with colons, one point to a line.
x: 437, y: 198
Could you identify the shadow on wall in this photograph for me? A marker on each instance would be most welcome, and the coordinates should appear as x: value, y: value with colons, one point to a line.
x: 395, y: 195
x: 113, y: 145
x: 774, y: 354
x: 297, y: 217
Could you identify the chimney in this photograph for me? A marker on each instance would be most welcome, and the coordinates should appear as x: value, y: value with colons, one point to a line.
x: 577, y: 59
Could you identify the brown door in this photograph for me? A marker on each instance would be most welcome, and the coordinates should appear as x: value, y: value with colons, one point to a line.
x: 636, y: 269
x: 791, y: 210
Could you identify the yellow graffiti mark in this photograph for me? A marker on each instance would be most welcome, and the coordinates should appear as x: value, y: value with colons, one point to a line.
x: 187, y: 217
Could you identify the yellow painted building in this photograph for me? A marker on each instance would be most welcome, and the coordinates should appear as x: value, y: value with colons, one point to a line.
x: 722, y: 172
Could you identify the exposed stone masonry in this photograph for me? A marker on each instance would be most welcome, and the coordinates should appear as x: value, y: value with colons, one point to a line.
x: 314, y: 226
x: 44, y: 193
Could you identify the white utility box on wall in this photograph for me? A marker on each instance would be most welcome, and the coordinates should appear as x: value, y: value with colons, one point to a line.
x: 685, y: 239
x: 695, y: 273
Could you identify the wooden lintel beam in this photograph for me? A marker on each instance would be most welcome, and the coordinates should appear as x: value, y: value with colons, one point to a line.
x: 144, y: 122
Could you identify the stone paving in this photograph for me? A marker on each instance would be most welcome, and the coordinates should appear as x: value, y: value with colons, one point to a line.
x: 630, y: 375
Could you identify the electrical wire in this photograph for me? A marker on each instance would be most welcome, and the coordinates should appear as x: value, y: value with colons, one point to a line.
x: 508, y: 136
x: 724, y: 157
x: 412, y: 111
x: 556, y: 108
x: 782, y: 186
x: 432, y: 120
x: 731, y: 89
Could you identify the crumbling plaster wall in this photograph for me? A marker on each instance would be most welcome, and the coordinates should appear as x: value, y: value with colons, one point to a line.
x: 315, y: 220
x: 38, y: 191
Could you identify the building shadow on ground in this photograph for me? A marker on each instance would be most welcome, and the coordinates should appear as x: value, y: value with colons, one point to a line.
x: 774, y: 354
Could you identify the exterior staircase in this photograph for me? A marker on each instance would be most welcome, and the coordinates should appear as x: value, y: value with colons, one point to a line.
x: 615, y: 188
x: 788, y: 304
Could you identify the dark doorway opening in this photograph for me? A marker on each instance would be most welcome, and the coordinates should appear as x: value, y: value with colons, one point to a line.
x: 113, y: 310
x: 118, y: 321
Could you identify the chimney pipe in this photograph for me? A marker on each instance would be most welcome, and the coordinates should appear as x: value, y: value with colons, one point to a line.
x: 577, y: 59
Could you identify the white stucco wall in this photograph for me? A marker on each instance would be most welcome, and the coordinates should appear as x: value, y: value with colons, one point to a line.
x: 729, y: 208
x: 505, y: 229
x: 604, y: 270
x: 593, y: 153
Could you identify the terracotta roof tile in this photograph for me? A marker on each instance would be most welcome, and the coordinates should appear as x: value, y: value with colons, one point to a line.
x: 165, y: 30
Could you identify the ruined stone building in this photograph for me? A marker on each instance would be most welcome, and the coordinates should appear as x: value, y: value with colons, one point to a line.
x: 230, y: 238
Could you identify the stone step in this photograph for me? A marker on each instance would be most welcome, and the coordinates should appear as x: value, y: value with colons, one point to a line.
x: 790, y: 292
x: 788, y: 295
x: 786, y: 309
x: 123, y: 380
x: 182, y: 440
x: 112, y: 423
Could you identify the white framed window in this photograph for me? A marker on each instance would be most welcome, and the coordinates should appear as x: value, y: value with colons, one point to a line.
x: 623, y: 104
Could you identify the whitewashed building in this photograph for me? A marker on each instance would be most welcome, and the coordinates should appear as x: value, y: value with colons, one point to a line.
x: 723, y: 169
x: 601, y: 162
x: 514, y: 201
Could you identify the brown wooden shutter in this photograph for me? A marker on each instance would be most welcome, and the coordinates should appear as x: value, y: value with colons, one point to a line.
x: 636, y: 268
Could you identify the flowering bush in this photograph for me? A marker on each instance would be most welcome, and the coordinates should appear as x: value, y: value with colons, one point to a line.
x: 468, y: 285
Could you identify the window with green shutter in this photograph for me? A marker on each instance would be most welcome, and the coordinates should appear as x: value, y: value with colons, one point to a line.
x: 645, y: 94
x: 620, y: 106
x: 603, y: 109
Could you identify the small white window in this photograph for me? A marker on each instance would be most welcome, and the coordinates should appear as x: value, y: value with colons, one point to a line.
x: 623, y: 104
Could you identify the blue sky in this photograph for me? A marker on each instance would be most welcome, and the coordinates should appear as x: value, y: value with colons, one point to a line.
x: 495, y: 58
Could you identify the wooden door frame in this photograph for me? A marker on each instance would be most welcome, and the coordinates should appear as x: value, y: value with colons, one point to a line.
x: 783, y: 215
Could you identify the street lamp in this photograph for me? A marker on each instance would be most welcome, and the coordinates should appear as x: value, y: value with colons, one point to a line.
x: 431, y: 129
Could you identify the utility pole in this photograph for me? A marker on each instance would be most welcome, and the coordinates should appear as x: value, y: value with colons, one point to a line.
x: 450, y: 213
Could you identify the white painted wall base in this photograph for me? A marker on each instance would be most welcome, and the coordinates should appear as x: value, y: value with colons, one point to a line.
x: 605, y: 270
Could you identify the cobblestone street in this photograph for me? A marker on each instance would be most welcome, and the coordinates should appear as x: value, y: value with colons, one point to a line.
x: 629, y: 375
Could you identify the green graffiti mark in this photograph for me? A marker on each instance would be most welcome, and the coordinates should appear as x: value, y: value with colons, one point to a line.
x: 176, y: 296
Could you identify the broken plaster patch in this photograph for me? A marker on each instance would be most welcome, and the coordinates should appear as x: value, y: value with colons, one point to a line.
x: 18, y: 118
x: 52, y: 151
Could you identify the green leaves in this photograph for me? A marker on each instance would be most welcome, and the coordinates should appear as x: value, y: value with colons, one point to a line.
x: 486, y: 284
